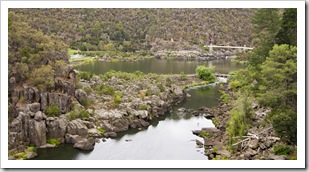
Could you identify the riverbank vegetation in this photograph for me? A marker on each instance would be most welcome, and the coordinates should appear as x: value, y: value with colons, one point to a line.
x: 269, y: 81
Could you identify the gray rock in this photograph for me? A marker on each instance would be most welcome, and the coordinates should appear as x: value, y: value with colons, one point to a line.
x: 12, y: 158
x: 81, y: 96
x: 38, y: 116
x: 77, y: 127
x: 34, y: 107
x: 277, y: 157
x: 72, y: 138
x: 12, y: 83
x: 47, y: 146
x: 37, y: 133
x: 224, y: 153
x: 89, y: 124
x: 56, y: 128
x: 85, y: 144
x: 94, y: 133
x: 63, y: 101
x: 110, y: 134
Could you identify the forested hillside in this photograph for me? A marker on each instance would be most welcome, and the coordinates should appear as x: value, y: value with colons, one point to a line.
x: 133, y: 29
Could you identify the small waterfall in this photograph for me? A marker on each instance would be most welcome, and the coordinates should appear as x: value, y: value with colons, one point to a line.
x: 221, y: 79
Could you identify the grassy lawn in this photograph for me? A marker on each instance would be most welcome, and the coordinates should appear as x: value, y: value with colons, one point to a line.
x: 71, y: 51
x: 81, y: 59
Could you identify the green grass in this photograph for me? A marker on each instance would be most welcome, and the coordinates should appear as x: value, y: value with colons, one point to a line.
x: 195, y: 84
x: 102, y: 131
x: 81, y: 59
x: 71, y: 51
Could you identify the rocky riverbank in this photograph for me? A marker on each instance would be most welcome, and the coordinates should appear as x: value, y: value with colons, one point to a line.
x: 258, y: 144
x: 197, y: 55
x: 89, y: 109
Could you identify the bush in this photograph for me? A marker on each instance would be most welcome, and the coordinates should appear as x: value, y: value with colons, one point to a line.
x: 283, y: 150
x: 85, y: 75
x: 161, y: 87
x: 168, y: 82
x: 143, y: 107
x: 78, y: 113
x: 183, y: 77
x: 202, y: 72
x: 234, y: 84
x: 225, y: 98
x: 54, y: 141
x: 53, y: 110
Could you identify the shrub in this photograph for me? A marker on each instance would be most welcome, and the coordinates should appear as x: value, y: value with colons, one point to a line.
x: 225, y: 98
x: 234, y: 84
x: 53, y: 110
x: 78, y: 113
x: 161, y: 87
x: 143, y: 107
x: 202, y: 72
x: 85, y: 75
x: 215, y: 149
x: 85, y: 102
x: 54, y: 141
x: 117, y: 100
x: 183, y: 76
x: 283, y: 150
x: 168, y: 82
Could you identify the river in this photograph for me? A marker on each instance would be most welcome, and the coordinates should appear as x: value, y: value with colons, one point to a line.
x: 167, y: 138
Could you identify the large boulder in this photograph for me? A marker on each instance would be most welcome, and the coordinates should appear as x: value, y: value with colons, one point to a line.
x: 37, y: 133
x: 56, y: 128
x: 77, y: 127
x: 85, y: 144
x: 72, y: 138
x: 63, y: 101
x: 81, y: 96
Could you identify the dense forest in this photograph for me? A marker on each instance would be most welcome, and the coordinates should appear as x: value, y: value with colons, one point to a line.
x: 135, y: 29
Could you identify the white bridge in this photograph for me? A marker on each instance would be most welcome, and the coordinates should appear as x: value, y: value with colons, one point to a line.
x: 211, y: 47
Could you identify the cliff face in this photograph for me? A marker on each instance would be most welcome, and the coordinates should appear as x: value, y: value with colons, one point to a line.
x: 28, y: 124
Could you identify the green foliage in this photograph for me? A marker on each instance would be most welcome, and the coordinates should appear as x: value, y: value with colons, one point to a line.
x: 240, y: 119
x: 168, y: 82
x: 54, y: 141
x: 215, y: 122
x: 288, y: 31
x: 43, y: 77
x: 85, y: 102
x: 215, y: 149
x: 31, y: 149
x: 202, y: 72
x: 267, y: 24
x: 225, y: 98
x: 53, y: 110
x: 84, y: 75
x: 183, y: 77
x: 143, y: 107
x: 161, y: 87
x: 71, y: 51
x: 283, y: 150
x: 20, y: 155
x: 205, y: 134
x: 78, y: 113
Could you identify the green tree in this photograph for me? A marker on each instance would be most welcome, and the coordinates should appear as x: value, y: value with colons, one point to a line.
x: 43, y: 77
x: 278, y: 90
x: 266, y: 23
x: 288, y: 31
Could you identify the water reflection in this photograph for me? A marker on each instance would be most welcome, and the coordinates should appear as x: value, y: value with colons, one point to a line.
x: 159, y: 66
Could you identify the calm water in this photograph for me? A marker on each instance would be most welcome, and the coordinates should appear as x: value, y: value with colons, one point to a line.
x: 159, y: 66
x: 167, y: 138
